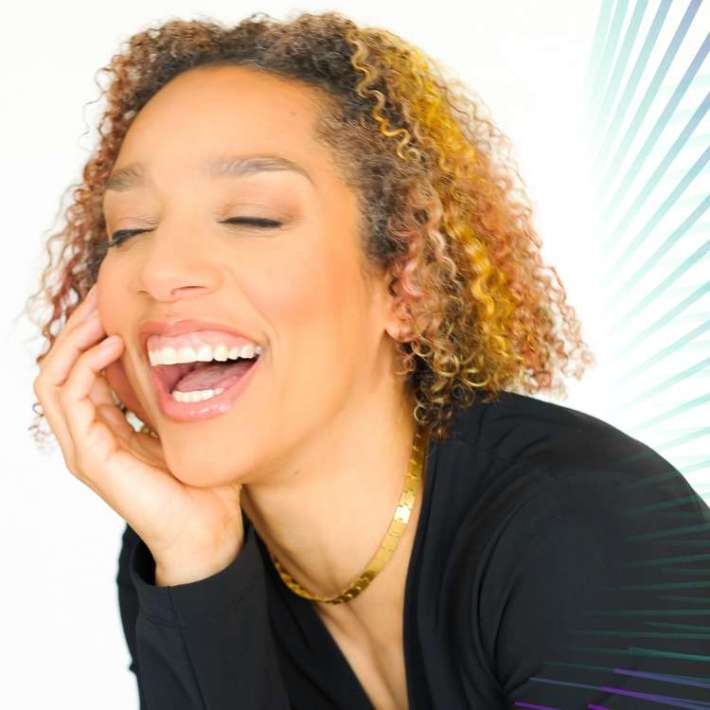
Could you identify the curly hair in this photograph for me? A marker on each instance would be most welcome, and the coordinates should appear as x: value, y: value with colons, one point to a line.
x: 443, y: 208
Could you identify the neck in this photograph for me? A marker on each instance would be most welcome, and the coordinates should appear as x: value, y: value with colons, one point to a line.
x: 327, y: 518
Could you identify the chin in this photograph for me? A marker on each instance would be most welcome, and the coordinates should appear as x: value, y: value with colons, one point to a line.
x: 194, y: 466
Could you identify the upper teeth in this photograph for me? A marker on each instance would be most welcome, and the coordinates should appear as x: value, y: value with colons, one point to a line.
x: 205, y: 353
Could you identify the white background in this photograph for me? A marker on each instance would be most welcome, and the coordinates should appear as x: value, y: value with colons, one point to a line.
x: 528, y: 60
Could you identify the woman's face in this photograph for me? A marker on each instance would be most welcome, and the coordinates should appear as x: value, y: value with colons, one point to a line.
x: 296, y: 289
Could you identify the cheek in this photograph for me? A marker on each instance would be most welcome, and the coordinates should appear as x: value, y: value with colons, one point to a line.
x: 313, y: 335
x: 305, y: 290
x: 112, y: 293
x: 312, y: 310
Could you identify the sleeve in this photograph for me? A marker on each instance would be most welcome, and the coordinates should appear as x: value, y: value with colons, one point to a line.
x: 204, y: 645
x: 607, y: 603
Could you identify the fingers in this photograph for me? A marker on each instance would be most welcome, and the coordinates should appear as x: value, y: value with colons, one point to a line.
x: 84, y: 320
x: 103, y: 395
x: 113, y: 416
x: 56, y: 366
x: 77, y: 323
x: 54, y: 371
x: 84, y: 323
x: 84, y: 310
x: 74, y: 397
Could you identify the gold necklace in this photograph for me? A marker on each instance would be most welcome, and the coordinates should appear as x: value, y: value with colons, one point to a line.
x: 412, y: 484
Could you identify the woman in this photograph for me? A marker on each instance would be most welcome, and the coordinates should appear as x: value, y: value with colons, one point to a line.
x: 300, y: 258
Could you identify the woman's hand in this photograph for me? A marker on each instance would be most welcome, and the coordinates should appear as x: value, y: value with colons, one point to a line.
x: 191, y: 532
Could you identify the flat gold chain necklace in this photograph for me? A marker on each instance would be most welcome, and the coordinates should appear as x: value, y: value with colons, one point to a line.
x: 412, y: 485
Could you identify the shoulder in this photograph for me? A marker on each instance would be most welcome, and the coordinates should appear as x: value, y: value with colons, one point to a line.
x: 518, y: 427
x: 589, y: 568
x: 572, y: 518
x: 528, y: 472
x: 551, y: 455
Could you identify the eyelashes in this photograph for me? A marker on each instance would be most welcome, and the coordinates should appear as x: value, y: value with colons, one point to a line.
x: 262, y: 222
x: 121, y: 235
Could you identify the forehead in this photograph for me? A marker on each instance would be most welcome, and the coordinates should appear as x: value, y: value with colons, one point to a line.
x: 203, y: 117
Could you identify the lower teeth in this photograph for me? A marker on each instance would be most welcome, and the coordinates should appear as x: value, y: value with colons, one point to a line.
x: 196, y: 395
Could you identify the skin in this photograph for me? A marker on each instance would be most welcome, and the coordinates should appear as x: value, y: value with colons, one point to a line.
x: 321, y: 438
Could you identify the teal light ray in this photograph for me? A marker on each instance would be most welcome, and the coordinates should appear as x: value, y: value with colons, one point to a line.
x: 665, y: 505
x: 652, y: 612
x: 634, y: 341
x: 612, y: 633
x: 595, y: 76
x: 626, y: 377
x: 682, y: 408
x: 610, y: 43
x: 687, y: 180
x: 614, y: 167
x: 688, y: 438
x: 652, y: 480
x: 648, y: 652
x: 631, y: 86
x: 622, y: 60
x: 655, y: 259
x: 660, y: 171
x: 661, y: 122
x: 667, y: 317
x: 659, y: 535
x: 665, y: 384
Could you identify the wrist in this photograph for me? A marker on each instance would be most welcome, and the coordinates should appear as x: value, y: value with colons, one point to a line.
x: 187, y: 571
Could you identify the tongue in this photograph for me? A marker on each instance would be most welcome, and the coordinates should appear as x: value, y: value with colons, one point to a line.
x: 211, y: 375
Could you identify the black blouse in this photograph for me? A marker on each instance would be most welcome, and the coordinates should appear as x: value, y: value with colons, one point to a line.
x: 558, y: 563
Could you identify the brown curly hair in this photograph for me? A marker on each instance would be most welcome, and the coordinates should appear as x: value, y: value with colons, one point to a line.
x: 443, y: 205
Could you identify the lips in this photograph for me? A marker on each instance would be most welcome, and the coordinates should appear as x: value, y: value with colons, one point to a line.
x: 193, y: 411
x: 187, y: 325
x: 206, y: 409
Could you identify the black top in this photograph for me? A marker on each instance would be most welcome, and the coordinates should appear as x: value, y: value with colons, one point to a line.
x: 558, y: 563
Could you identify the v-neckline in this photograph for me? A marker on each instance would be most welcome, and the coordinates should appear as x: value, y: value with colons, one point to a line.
x: 308, y: 614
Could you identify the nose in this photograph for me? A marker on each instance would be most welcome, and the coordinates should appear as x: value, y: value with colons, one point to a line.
x: 177, y: 265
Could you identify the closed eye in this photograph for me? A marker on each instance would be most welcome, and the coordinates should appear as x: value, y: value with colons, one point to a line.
x: 256, y: 221
x: 122, y: 234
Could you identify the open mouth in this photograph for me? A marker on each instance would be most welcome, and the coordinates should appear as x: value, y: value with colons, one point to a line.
x: 198, y: 381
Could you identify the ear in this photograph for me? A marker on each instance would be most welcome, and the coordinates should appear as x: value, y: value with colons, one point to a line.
x: 118, y: 380
x: 398, y: 323
x: 401, y: 293
x: 404, y: 290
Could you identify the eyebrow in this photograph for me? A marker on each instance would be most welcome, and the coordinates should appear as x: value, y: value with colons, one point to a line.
x: 133, y: 175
